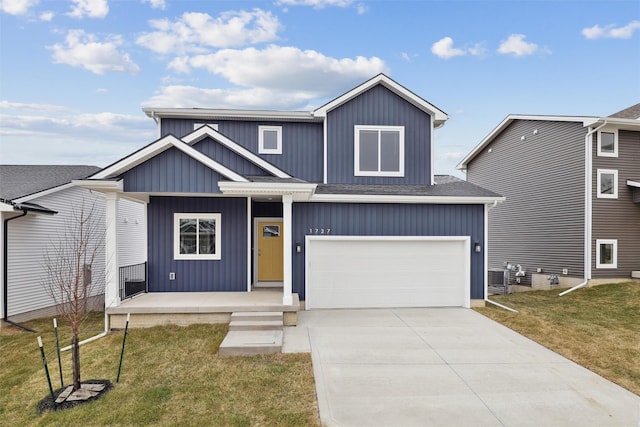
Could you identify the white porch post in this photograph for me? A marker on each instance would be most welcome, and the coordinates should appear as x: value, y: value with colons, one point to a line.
x: 287, y: 297
x: 112, y: 286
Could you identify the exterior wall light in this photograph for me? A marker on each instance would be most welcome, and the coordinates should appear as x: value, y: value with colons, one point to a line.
x: 478, y: 248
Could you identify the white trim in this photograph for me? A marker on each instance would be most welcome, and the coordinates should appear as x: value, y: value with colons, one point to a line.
x: 43, y: 192
x: 615, y: 143
x: 160, y: 146
x: 432, y: 143
x: 287, y: 258
x: 631, y: 183
x: 506, y: 122
x: 325, y: 151
x: 299, y: 191
x: 485, y: 259
x: 614, y: 253
x: 205, y: 131
x: 257, y: 220
x: 379, y: 129
x: 211, y: 114
x: 176, y: 236
x: 249, y: 245
x: 213, y: 126
x: 261, y: 148
x: 435, y: 113
x: 601, y: 172
x: 365, y: 198
x: 466, y: 265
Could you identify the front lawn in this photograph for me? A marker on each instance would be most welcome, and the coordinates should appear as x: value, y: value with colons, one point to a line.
x: 598, y: 327
x: 170, y: 376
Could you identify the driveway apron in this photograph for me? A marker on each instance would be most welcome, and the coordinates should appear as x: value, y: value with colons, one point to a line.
x: 449, y: 367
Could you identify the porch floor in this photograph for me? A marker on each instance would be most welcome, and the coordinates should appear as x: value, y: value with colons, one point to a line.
x: 264, y: 299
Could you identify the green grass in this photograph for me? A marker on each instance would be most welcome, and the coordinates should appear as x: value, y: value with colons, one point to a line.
x: 598, y: 327
x: 170, y: 376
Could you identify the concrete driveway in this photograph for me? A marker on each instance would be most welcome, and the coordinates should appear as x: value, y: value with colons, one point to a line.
x: 447, y: 367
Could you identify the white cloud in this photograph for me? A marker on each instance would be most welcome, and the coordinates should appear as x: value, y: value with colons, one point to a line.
x: 611, y: 32
x: 362, y: 8
x: 515, y: 45
x: 89, y: 8
x: 317, y: 4
x: 47, y: 16
x: 85, y: 51
x: 407, y: 57
x: 284, y: 68
x: 443, y: 48
x: 20, y: 106
x: 63, y: 136
x: 199, y: 32
x: 17, y: 7
x: 156, y: 4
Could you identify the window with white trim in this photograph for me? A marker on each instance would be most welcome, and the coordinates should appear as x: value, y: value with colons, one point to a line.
x: 196, y: 236
x: 379, y: 151
x: 608, y: 143
x: 197, y: 126
x: 270, y: 139
x: 607, y: 183
x: 606, y: 253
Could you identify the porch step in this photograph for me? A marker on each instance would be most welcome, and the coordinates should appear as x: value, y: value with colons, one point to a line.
x: 253, y: 333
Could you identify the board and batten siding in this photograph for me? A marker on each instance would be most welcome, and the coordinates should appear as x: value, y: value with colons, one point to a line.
x: 228, y: 158
x: 541, y: 222
x: 362, y: 219
x: 172, y: 171
x: 227, y: 274
x: 619, y: 218
x: 302, y: 143
x: 378, y: 106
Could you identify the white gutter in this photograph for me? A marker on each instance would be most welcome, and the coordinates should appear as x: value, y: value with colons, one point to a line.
x: 588, y: 206
x: 96, y: 337
x: 500, y: 305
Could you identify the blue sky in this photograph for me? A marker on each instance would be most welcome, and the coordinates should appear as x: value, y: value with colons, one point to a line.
x: 74, y: 75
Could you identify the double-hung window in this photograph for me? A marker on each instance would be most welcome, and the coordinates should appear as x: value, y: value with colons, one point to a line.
x: 196, y: 236
x: 379, y: 151
x: 606, y: 253
x: 608, y: 143
x: 607, y: 183
x: 270, y: 139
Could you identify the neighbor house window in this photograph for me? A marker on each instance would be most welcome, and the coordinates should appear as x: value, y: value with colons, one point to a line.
x: 607, y: 184
x: 213, y: 126
x: 606, y: 253
x: 196, y: 236
x: 379, y: 151
x: 270, y: 139
x: 608, y: 143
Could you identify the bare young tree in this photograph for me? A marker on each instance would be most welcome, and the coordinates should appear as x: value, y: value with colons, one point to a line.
x: 69, y: 262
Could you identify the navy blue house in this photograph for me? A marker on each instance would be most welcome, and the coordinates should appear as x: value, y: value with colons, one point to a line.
x: 339, y: 205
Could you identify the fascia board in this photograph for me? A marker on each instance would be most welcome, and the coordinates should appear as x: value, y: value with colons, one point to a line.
x: 631, y: 183
x: 362, y: 198
x: 506, y: 122
x: 43, y: 193
x: 212, y: 114
x: 625, y: 124
x: 266, y: 187
x: 438, y: 115
x: 100, y: 185
x: 158, y: 147
x: 206, y: 131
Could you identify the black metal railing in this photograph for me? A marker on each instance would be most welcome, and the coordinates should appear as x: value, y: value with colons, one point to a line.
x: 133, y: 280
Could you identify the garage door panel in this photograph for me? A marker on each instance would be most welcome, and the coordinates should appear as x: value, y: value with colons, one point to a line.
x: 387, y: 273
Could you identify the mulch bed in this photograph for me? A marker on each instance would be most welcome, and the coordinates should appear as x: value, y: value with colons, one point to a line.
x: 48, y: 404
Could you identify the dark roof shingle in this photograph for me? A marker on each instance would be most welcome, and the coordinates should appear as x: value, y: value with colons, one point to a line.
x: 632, y: 112
x: 22, y: 180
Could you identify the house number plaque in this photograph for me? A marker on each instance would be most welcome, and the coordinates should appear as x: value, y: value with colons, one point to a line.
x: 319, y: 231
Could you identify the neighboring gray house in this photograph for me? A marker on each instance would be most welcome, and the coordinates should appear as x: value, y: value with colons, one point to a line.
x: 36, y: 204
x: 572, y: 188
x: 339, y: 205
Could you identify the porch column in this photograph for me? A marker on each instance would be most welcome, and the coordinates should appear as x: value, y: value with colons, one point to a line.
x: 111, y: 267
x: 287, y: 297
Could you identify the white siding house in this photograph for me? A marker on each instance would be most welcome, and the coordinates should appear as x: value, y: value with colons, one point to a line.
x: 50, y: 199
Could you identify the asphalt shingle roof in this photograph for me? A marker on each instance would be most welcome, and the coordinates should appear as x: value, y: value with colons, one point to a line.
x: 632, y: 112
x: 22, y: 180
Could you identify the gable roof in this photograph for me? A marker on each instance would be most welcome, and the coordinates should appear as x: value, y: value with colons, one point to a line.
x: 632, y: 112
x: 439, y: 116
x: 506, y: 122
x: 18, y: 181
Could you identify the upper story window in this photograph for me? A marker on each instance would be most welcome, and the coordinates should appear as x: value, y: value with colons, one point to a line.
x: 608, y: 143
x: 270, y: 139
x: 606, y: 253
x: 379, y: 151
x: 196, y: 236
x: 213, y: 126
x: 607, y: 183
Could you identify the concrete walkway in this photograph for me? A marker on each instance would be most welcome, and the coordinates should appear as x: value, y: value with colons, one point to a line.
x: 447, y: 367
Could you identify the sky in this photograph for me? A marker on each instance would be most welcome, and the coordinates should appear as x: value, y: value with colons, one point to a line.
x: 75, y: 75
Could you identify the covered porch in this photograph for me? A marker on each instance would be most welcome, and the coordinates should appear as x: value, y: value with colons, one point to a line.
x: 186, y: 308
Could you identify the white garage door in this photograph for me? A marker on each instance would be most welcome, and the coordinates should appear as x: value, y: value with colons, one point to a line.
x: 368, y: 272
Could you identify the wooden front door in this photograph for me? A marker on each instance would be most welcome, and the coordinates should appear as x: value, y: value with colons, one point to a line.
x: 270, y: 254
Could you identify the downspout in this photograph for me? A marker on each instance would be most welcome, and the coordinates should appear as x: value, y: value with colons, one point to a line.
x: 5, y: 276
x: 587, y: 209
